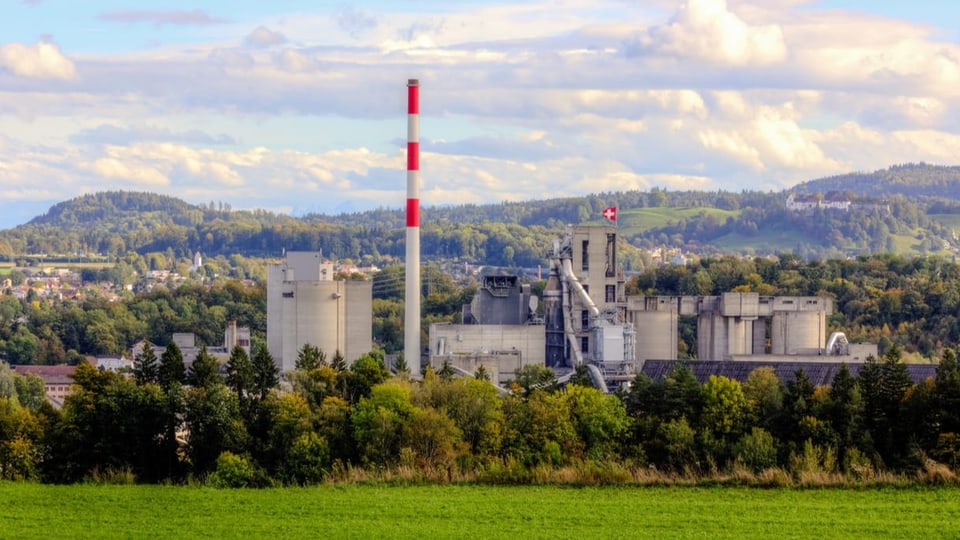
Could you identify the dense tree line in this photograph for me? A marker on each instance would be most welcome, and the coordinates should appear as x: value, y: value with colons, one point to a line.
x: 64, y: 331
x: 884, y: 219
x: 913, y: 303
x: 34, y: 331
x: 915, y: 180
x: 234, y: 426
x: 154, y: 226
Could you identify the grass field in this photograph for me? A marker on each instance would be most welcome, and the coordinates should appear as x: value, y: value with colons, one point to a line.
x: 637, y: 220
x: 377, y: 511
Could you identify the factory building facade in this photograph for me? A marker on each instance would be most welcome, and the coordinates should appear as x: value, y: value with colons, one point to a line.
x: 500, y: 332
x: 306, y: 305
x: 588, y: 320
x: 594, y: 263
x: 741, y: 327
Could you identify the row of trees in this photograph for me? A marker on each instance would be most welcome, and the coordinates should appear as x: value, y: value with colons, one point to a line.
x: 885, y: 299
x: 65, y: 331
x: 235, y: 426
x: 55, y: 332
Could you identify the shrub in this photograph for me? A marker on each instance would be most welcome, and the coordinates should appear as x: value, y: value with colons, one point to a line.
x: 118, y: 476
x: 232, y: 471
x: 757, y: 450
x: 309, y: 459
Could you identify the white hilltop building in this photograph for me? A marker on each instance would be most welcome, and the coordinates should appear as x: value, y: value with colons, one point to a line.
x: 799, y: 205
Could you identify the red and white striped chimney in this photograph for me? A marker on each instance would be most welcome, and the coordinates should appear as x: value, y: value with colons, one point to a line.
x: 411, y: 331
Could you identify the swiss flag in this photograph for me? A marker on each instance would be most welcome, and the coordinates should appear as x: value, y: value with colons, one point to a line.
x: 610, y: 213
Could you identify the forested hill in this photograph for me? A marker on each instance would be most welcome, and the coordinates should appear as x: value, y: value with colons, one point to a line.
x: 888, y: 216
x: 118, y: 207
x: 918, y: 180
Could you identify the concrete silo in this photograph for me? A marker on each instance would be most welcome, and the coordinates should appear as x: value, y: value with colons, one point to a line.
x: 654, y: 319
x: 799, y: 325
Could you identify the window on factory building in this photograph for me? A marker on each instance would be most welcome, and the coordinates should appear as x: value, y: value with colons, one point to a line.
x: 611, y: 254
x: 584, y: 319
x: 585, y: 256
x: 611, y: 294
x: 584, y: 344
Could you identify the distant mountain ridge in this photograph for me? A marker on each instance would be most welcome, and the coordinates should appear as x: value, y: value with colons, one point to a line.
x: 518, y: 233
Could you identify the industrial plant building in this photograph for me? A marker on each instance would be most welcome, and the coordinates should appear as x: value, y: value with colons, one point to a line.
x: 589, y: 321
x: 501, y: 331
x: 305, y: 305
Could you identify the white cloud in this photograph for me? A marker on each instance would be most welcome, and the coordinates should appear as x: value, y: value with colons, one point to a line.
x: 42, y: 60
x: 295, y: 61
x: 112, y: 168
x: 558, y: 97
x: 708, y: 30
x: 354, y: 21
x: 262, y: 36
x: 162, y: 17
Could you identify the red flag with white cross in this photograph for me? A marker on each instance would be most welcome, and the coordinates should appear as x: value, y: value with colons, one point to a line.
x: 610, y: 213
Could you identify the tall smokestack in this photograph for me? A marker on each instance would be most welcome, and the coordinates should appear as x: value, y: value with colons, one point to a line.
x: 411, y: 331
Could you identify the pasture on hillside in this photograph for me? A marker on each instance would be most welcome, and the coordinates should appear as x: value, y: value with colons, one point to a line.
x: 476, y: 511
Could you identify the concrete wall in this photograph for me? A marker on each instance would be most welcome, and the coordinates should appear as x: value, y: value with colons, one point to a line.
x: 501, y: 367
x: 655, y: 320
x: 358, y: 334
x: 454, y: 339
x: 731, y: 324
x: 307, y: 266
x: 794, y: 331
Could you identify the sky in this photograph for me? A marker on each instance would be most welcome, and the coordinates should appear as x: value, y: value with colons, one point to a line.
x: 298, y: 106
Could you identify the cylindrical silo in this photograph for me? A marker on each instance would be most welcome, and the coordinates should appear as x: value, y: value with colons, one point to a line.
x: 656, y: 335
x: 796, y: 332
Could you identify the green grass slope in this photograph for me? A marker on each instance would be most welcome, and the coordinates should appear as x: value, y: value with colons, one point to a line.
x: 473, y: 511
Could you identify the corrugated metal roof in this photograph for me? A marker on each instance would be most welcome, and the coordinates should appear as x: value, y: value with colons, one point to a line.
x: 819, y: 373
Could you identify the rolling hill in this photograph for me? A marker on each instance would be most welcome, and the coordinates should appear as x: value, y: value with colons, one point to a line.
x: 910, y: 209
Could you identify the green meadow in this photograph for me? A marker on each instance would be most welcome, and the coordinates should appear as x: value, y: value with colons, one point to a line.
x: 476, y: 511
x: 638, y: 220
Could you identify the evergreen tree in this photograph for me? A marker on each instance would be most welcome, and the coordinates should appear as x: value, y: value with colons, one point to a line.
x: 240, y: 373
x: 204, y: 371
x: 883, y: 386
x: 446, y: 371
x: 339, y: 364
x: 266, y: 375
x: 682, y: 396
x: 797, y: 405
x: 310, y: 357
x: 948, y: 392
x: 844, y: 411
x: 481, y: 374
x: 145, y: 368
x: 172, y: 371
x: 400, y: 367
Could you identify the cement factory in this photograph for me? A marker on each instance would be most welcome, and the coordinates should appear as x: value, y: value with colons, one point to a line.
x: 589, y: 321
x: 586, y: 320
